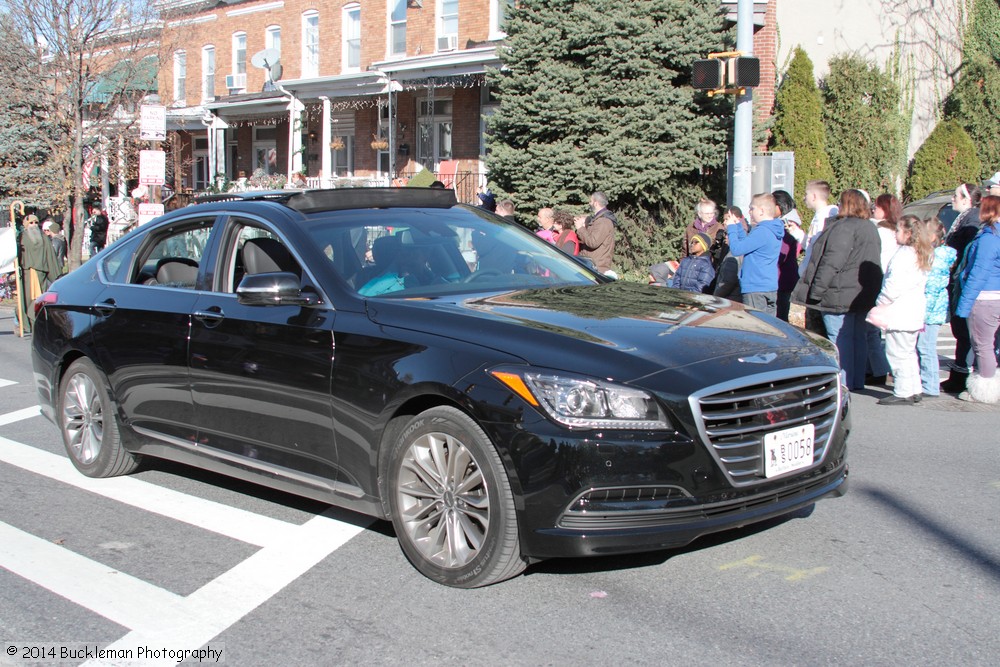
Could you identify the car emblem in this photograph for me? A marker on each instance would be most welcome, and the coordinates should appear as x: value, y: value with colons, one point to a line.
x: 765, y: 358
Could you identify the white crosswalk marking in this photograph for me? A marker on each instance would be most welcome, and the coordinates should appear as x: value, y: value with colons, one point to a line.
x: 155, y: 616
x: 112, y: 594
x: 228, y: 598
x: 216, y: 517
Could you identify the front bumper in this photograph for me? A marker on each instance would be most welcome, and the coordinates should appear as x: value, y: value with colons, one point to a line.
x: 651, y: 530
x: 596, y: 493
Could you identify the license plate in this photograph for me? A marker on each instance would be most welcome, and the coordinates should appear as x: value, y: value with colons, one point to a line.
x: 788, y: 450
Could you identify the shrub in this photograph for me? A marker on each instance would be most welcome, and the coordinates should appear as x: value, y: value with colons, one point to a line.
x: 947, y: 158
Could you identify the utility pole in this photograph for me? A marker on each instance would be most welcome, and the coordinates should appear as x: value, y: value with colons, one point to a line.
x: 743, y: 129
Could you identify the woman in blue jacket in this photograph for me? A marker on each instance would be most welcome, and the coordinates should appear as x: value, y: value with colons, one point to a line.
x: 980, y: 303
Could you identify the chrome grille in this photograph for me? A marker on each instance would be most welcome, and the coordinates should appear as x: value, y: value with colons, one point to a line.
x: 734, y: 418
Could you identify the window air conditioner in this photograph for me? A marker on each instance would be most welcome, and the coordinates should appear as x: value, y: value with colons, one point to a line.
x: 447, y: 43
x: 236, y: 81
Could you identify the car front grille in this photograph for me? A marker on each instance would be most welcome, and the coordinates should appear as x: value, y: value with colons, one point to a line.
x: 734, y: 418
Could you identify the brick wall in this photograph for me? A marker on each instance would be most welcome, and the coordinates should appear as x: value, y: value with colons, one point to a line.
x: 765, y: 47
x: 215, y: 26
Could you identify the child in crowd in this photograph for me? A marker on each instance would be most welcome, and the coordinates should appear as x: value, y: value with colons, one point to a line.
x: 902, y: 306
x: 695, y: 272
x: 936, y: 294
x: 727, y: 277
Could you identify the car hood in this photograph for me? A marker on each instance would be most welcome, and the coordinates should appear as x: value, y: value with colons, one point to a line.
x: 620, y: 331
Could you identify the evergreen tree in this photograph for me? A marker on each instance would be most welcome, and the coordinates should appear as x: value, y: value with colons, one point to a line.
x: 974, y: 102
x: 946, y: 158
x: 866, y: 133
x: 798, y: 125
x: 596, y: 96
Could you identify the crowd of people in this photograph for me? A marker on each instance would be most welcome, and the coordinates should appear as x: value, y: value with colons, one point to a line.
x: 875, y: 282
x: 589, y: 236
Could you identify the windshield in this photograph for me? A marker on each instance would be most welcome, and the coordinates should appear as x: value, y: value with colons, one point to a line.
x: 403, y: 252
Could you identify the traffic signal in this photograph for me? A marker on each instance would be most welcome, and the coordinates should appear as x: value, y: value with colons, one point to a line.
x: 743, y: 72
x: 728, y: 72
x: 708, y: 74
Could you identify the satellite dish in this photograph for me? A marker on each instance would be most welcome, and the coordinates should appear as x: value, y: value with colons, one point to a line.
x: 276, y: 71
x: 265, y: 59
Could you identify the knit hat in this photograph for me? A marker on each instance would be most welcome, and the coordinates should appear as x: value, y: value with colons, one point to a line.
x: 703, y: 239
x: 995, y: 180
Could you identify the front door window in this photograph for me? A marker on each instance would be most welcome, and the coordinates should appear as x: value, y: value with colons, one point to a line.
x: 434, y: 133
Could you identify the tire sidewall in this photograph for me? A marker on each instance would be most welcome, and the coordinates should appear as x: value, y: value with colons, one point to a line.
x: 454, y: 423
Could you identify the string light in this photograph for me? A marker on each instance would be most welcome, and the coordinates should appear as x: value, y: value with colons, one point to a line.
x: 457, y: 81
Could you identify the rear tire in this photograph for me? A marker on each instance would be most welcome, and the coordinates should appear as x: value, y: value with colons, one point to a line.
x: 88, y: 423
x: 451, y: 502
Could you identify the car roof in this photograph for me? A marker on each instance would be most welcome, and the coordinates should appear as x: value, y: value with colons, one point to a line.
x: 342, y: 199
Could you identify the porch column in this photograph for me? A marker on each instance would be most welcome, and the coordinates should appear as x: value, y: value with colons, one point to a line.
x: 122, y: 183
x: 219, y: 148
x: 326, y: 166
x: 295, y: 109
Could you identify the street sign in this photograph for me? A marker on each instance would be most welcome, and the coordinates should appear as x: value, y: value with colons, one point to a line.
x: 152, y: 167
x: 149, y: 211
x: 153, y: 122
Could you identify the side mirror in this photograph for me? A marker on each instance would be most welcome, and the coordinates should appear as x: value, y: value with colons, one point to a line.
x: 274, y: 289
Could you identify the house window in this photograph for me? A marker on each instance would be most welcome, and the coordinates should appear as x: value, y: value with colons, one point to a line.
x: 397, y: 27
x: 272, y: 38
x: 351, y: 18
x: 180, y: 76
x: 343, y: 158
x: 208, y: 73
x: 499, y: 12
x: 447, y: 25
x: 240, y: 53
x: 310, y: 45
x: 342, y: 144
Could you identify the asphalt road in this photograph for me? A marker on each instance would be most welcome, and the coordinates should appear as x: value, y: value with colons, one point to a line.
x: 904, y: 570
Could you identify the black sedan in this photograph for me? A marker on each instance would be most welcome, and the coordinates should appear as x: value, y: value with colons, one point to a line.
x: 398, y: 354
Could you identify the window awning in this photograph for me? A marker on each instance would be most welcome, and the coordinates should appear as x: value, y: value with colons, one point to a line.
x: 126, y: 76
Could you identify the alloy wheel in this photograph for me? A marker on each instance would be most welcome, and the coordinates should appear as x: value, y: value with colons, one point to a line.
x: 83, y: 418
x: 443, y: 498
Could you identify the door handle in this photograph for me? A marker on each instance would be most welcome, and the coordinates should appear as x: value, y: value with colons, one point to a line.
x: 106, y: 307
x: 210, y: 317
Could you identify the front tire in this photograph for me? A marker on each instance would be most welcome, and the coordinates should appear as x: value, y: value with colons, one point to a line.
x: 88, y: 423
x: 451, y: 502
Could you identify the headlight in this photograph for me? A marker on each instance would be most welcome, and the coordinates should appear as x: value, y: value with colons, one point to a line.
x: 585, y: 402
